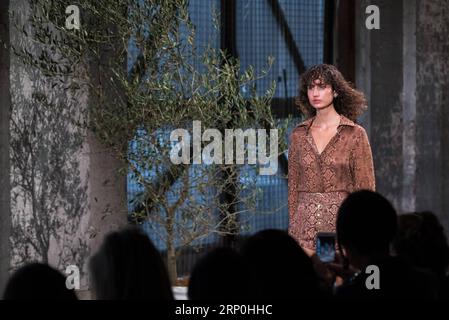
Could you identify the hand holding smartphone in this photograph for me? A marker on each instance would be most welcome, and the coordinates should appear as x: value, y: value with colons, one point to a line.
x: 325, y: 246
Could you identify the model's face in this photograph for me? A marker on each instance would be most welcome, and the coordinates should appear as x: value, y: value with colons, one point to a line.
x: 320, y: 94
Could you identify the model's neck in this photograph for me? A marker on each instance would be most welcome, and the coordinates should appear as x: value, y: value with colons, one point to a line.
x: 326, y: 116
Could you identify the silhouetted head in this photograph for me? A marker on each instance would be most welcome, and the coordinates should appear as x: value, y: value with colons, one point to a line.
x: 421, y: 241
x: 37, y: 281
x: 128, y: 266
x: 366, y: 224
x: 221, y: 274
x: 280, y: 267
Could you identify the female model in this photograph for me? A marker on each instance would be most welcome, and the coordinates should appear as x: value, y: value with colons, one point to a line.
x: 329, y: 154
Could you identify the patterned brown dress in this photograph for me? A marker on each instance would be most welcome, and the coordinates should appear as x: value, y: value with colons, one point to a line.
x: 318, y: 183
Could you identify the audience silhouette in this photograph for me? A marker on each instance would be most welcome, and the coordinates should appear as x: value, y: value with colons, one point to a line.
x: 38, y: 281
x: 221, y: 274
x: 366, y: 227
x: 128, y: 266
x: 421, y: 241
x: 280, y: 268
x: 270, y: 265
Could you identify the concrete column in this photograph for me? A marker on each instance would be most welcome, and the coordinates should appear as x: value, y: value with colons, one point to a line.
x: 386, y: 84
x: 403, y: 70
x: 408, y: 201
x: 106, y: 193
x: 78, y: 194
x: 5, y: 104
x: 362, y: 60
x: 432, y: 118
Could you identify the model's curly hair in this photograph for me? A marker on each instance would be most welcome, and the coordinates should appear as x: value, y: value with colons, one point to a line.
x: 349, y: 101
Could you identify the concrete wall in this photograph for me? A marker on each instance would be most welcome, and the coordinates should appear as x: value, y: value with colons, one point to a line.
x: 5, y: 104
x: 432, y: 84
x: 66, y: 192
x: 402, y: 69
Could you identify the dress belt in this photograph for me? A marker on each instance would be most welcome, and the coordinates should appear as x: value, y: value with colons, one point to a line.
x: 322, y: 193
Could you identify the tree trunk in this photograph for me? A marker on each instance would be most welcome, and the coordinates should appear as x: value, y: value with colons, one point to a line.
x: 229, y: 45
x: 107, y: 186
x: 171, y: 249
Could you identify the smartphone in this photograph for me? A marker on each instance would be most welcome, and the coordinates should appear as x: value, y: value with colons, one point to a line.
x: 325, y: 246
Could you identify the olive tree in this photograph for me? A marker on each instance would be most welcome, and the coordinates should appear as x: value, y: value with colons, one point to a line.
x: 147, y: 78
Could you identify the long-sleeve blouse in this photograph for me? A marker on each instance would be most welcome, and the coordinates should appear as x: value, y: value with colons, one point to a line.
x: 319, y: 182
